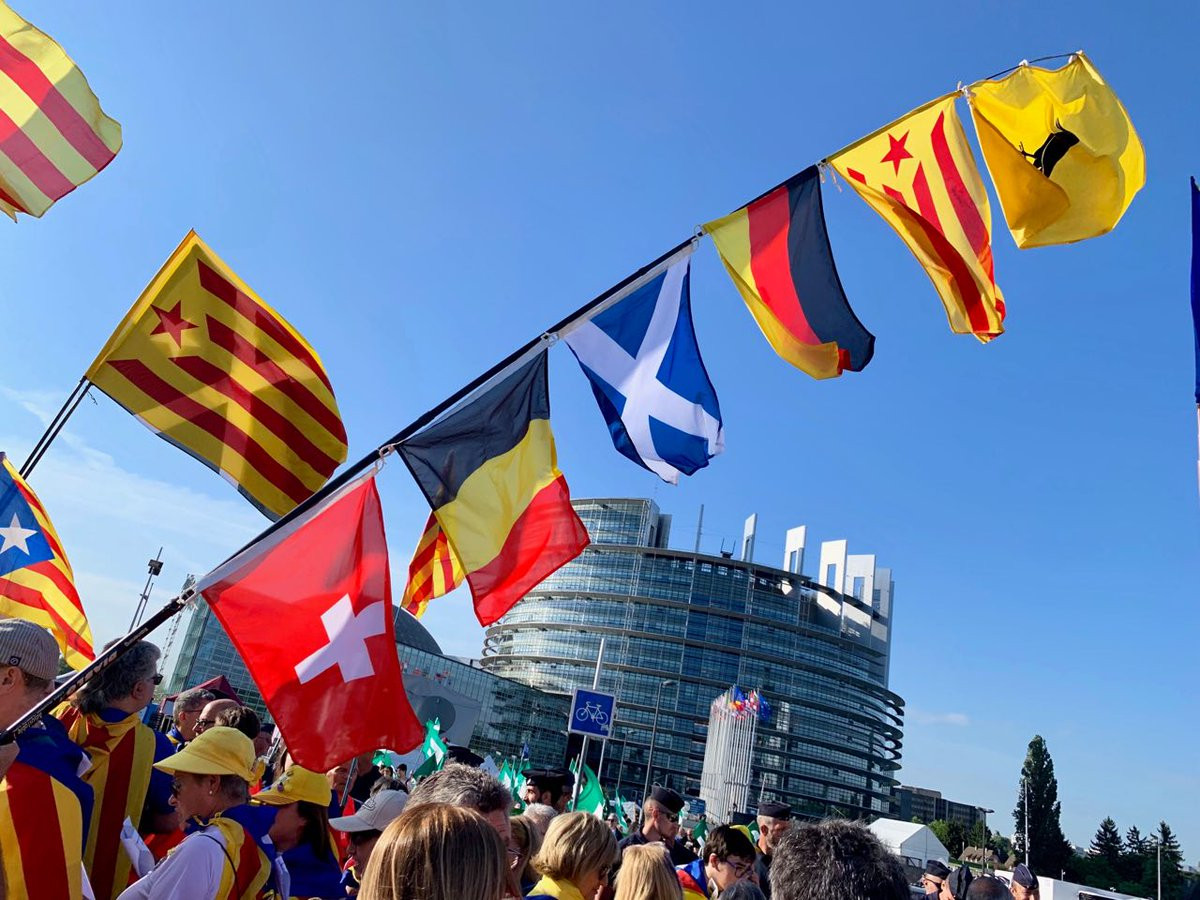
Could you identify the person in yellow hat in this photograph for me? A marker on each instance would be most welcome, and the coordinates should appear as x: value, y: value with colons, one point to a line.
x: 301, y: 799
x: 227, y: 851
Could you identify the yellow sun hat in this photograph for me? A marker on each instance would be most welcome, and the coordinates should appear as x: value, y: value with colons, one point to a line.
x: 217, y: 751
x: 297, y: 784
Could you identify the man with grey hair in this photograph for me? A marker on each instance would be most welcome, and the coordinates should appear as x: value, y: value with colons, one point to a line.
x: 774, y: 818
x: 104, y: 718
x: 459, y: 785
x: 185, y: 712
x: 835, y: 860
x: 41, y: 793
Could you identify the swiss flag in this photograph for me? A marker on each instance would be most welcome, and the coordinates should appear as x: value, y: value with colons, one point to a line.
x: 309, y: 608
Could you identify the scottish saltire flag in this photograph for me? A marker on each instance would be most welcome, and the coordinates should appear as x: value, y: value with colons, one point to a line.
x: 641, y: 356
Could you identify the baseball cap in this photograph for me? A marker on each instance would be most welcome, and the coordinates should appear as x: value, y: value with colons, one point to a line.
x: 218, y: 751
x: 375, y: 813
x: 297, y: 784
x: 29, y: 647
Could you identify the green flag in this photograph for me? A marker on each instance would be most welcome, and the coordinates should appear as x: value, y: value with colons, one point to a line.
x: 591, y: 795
x: 622, y: 819
x: 700, y: 831
x: 434, y: 747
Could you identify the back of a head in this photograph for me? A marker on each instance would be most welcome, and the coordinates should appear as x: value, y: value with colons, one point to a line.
x: 459, y: 785
x: 726, y: 841
x: 987, y: 887
x: 835, y: 860
x: 243, y: 718
x: 576, y: 844
x: 193, y: 699
x: 541, y: 814
x: 436, y: 852
x: 743, y: 890
x: 647, y: 874
x: 118, y: 680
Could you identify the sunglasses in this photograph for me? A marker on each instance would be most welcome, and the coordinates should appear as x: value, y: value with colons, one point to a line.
x: 156, y: 678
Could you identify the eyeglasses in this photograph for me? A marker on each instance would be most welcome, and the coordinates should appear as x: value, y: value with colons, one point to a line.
x: 157, y: 678
x: 932, y: 883
x: 740, y: 870
x: 669, y: 816
x: 201, y: 724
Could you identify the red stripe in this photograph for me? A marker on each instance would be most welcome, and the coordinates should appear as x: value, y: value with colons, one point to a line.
x: 960, y: 274
x: 894, y: 194
x: 75, y: 128
x: 27, y: 596
x: 297, y: 441
x: 248, y: 865
x: 446, y: 561
x: 40, y: 833
x: 25, y: 155
x: 546, y: 536
x: 768, y: 220
x: 12, y: 201
x: 109, y: 812
x: 856, y: 175
x: 33, y: 501
x: 254, y: 313
x: 214, y: 424
x: 969, y: 216
x: 925, y: 204
x: 240, y: 348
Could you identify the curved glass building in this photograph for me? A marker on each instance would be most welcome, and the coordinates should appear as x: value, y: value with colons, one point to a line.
x: 680, y: 627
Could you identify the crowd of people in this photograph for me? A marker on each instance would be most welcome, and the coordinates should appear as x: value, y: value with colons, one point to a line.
x: 95, y: 804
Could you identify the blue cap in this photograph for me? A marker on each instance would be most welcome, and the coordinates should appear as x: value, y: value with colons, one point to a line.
x: 1024, y: 877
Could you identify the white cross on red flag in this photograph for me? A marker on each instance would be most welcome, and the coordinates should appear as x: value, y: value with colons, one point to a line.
x: 309, y: 608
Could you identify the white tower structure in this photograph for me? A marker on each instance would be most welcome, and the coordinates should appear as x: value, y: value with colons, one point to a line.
x: 728, y: 754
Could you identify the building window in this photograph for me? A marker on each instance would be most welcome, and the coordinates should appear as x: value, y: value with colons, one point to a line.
x: 859, y: 584
x: 831, y: 575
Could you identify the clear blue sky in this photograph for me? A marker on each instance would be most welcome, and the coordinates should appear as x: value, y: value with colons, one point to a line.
x: 420, y: 190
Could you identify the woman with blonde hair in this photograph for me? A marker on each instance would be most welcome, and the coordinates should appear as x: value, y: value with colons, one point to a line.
x: 575, y: 858
x: 647, y: 874
x: 526, y: 842
x: 436, y: 852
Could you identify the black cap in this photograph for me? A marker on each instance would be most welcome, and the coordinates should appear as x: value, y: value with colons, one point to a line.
x: 552, y: 780
x: 1024, y: 877
x: 775, y: 810
x: 937, y: 869
x: 667, y: 797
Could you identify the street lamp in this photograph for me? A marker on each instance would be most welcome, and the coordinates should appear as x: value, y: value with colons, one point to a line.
x: 984, y: 848
x: 654, y: 734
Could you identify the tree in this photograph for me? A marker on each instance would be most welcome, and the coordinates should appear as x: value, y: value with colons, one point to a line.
x: 1107, y: 842
x: 1171, y: 860
x: 1048, y: 849
x: 952, y: 835
x: 1135, y: 844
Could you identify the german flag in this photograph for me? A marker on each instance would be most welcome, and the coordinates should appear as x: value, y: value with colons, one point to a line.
x: 776, y: 250
x: 434, y: 571
x: 35, y: 578
x: 212, y: 369
x: 490, y: 473
x: 53, y: 134
x: 919, y: 174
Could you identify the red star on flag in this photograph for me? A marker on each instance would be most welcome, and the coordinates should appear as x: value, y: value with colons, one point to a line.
x: 897, y: 151
x: 172, y: 322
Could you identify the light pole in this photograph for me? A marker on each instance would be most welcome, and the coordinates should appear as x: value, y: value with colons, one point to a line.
x: 654, y: 734
x: 984, y: 848
x: 1025, y: 788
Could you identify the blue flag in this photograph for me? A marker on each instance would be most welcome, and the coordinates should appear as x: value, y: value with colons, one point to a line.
x: 641, y: 357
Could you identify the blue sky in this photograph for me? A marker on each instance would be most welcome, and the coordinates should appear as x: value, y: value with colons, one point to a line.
x: 420, y: 189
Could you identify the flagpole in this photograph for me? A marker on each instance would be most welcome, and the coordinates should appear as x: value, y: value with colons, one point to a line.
x: 538, y: 344
x: 98, y: 665
x: 56, y: 425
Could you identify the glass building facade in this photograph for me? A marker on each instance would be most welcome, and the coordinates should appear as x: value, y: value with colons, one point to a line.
x: 681, y: 627
x: 488, y: 713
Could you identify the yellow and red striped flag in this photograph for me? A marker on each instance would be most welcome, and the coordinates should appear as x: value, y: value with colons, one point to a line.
x: 212, y: 369
x: 434, y: 570
x: 53, y: 134
x: 35, y: 578
x: 920, y: 175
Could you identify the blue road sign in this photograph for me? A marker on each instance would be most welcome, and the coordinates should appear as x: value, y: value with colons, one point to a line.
x: 592, y: 713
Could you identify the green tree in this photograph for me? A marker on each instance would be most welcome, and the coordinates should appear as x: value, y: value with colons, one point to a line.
x: 1171, y: 860
x: 952, y: 835
x: 1135, y: 844
x: 1048, y: 849
x: 1107, y: 842
x: 1133, y: 860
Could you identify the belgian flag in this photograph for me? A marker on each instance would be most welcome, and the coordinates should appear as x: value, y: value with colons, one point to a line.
x: 490, y: 474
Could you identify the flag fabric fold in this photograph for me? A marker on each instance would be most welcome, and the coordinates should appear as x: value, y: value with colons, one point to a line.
x: 309, y: 609
x: 776, y: 249
x: 919, y: 174
x: 434, y: 571
x: 36, y: 582
x: 490, y: 473
x: 204, y: 363
x: 53, y: 134
x: 1061, y: 150
x: 643, y: 362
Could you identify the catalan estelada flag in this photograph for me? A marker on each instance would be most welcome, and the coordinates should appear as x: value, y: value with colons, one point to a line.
x: 53, y: 134
x: 212, y: 369
x: 434, y: 571
x: 776, y: 250
x: 919, y: 174
x: 1061, y: 150
x: 490, y: 474
x: 35, y: 578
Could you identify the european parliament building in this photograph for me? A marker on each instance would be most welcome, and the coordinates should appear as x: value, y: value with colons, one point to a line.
x: 680, y: 627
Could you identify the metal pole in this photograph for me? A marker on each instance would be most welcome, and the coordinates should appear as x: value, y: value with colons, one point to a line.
x: 575, y: 788
x: 1159, y: 847
x: 154, y: 567
x: 653, y: 737
x: 56, y: 425
x: 1025, y: 785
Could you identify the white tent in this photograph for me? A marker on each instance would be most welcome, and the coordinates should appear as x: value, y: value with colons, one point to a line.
x: 914, y: 843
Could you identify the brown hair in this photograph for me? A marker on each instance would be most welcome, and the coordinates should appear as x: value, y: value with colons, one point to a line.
x: 436, y: 852
x: 576, y: 843
x: 647, y: 874
x: 528, y: 838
